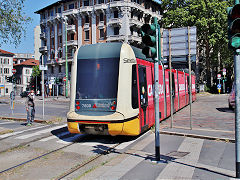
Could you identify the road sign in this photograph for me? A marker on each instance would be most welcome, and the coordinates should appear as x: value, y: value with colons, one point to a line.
x: 43, y: 68
x: 218, y: 76
x: 179, y: 41
x: 64, y: 79
x: 14, y: 71
x: 219, y: 86
x: 1, y: 86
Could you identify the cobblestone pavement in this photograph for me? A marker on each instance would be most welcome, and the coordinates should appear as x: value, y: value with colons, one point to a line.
x: 208, y: 112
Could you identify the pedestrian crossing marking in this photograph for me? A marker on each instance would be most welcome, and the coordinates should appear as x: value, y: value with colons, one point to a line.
x: 176, y: 168
x: 39, y: 132
x: 54, y: 137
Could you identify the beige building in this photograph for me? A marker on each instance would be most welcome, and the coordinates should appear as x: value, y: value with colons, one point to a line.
x: 72, y: 23
x: 6, y: 66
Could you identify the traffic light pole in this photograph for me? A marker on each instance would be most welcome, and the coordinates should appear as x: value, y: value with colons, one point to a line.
x: 156, y: 90
x: 66, y: 55
x: 237, y: 112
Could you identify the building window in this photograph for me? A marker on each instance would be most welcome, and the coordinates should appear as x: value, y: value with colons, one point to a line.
x: 87, y: 35
x: 6, y: 70
x: 71, y: 6
x: 52, y: 69
x: 86, y: 3
x: 101, y: 33
x: 27, y: 71
x: 86, y: 19
x: 116, y: 30
x: 59, y: 10
x: 51, y: 13
x: 101, y: 17
x: 72, y: 36
x: 100, y: 1
x: 60, y: 39
x: 115, y: 14
x: 59, y: 69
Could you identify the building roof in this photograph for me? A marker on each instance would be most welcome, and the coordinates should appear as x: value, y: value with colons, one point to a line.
x: 2, y: 52
x: 29, y: 62
x: 52, y: 5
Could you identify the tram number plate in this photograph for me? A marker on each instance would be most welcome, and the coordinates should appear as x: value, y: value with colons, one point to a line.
x: 86, y: 105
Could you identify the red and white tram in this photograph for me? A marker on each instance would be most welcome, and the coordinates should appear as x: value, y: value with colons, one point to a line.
x: 112, y: 90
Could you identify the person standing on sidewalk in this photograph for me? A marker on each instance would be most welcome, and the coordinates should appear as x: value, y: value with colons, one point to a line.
x: 30, y: 108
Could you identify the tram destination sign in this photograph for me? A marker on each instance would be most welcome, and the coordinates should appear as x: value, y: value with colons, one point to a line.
x: 178, y: 40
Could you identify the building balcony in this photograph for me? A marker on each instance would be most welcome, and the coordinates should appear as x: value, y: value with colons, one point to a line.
x: 86, y: 10
x: 117, y: 4
x: 134, y: 38
x: 71, y: 28
x: 115, y: 22
x: 72, y: 43
x: 135, y: 23
x: 58, y: 16
x: 50, y: 19
x: 100, y: 7
x: 70, y: 12
x: 43, y: 35
x: 43, y: 49
x: 86, y: 26
x: 114, y: 38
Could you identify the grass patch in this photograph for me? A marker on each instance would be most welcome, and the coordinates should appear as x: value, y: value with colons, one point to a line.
x: 5, y: 131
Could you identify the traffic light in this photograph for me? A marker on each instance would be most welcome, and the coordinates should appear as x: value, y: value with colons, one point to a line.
x: 57, y: 80
x: 148, y: 33
x: 9, y: 79
x: 234, y: 27
x: 13, y: 79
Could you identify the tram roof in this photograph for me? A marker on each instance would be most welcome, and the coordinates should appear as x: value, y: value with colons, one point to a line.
x: 106, y: 50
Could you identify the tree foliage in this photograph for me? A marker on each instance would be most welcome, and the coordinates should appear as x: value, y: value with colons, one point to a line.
x: 36, y: 71
x: 13, y: 21
x: 210, y: 18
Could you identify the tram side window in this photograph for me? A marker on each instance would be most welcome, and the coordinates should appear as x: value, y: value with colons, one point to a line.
x: 134, y: 88
x: 188, y: 84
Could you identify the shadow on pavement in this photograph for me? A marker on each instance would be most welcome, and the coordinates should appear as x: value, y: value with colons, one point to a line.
x: 225, y: 110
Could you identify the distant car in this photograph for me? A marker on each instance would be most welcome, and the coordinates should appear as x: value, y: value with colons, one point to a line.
x: 24, y: 94
x: 231, y: 99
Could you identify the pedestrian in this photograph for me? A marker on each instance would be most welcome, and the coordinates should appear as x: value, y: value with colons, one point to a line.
x: 30, y: 108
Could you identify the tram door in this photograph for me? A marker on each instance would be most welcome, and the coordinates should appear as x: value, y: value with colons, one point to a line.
x: 143, y: 95
x: 173, y: 90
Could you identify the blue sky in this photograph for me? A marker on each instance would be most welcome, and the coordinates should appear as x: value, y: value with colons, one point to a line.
x: 27, y: 43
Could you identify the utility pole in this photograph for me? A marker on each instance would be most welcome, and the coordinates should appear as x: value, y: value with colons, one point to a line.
x: 66, y: 57
x: 190, y: 77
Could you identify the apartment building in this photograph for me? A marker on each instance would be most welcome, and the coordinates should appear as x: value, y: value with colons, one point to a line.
x: 6, y: 66
x: 67, y: 24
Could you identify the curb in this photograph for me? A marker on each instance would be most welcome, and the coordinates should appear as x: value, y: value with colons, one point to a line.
x: 24, y: 119
x: 198, y: 136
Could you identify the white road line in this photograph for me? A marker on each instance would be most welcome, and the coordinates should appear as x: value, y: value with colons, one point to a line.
x: 40, y: 132
x: 183, y: 168
x: 18, y: 132
x: 69, y: 139
x: 54, y: 137
x: 2, y: 123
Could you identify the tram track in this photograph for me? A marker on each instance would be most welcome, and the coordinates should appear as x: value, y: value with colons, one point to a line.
x: 85, y: 163
x: 40, y: 156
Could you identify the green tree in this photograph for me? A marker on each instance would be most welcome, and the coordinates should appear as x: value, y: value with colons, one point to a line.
x: 210, y: 18
x: 36, y: 77
x: 36, y: 71
x: 13, y: 21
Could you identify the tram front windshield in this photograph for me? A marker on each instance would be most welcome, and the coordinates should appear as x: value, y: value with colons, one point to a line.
x: 97, y: 78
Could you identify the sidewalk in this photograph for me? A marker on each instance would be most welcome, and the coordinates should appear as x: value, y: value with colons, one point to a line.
x: 21, y: 115
x: 205, y: 152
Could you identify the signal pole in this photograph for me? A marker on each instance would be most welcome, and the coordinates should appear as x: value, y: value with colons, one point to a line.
x: 234, y: 43
x: 156, y: 90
